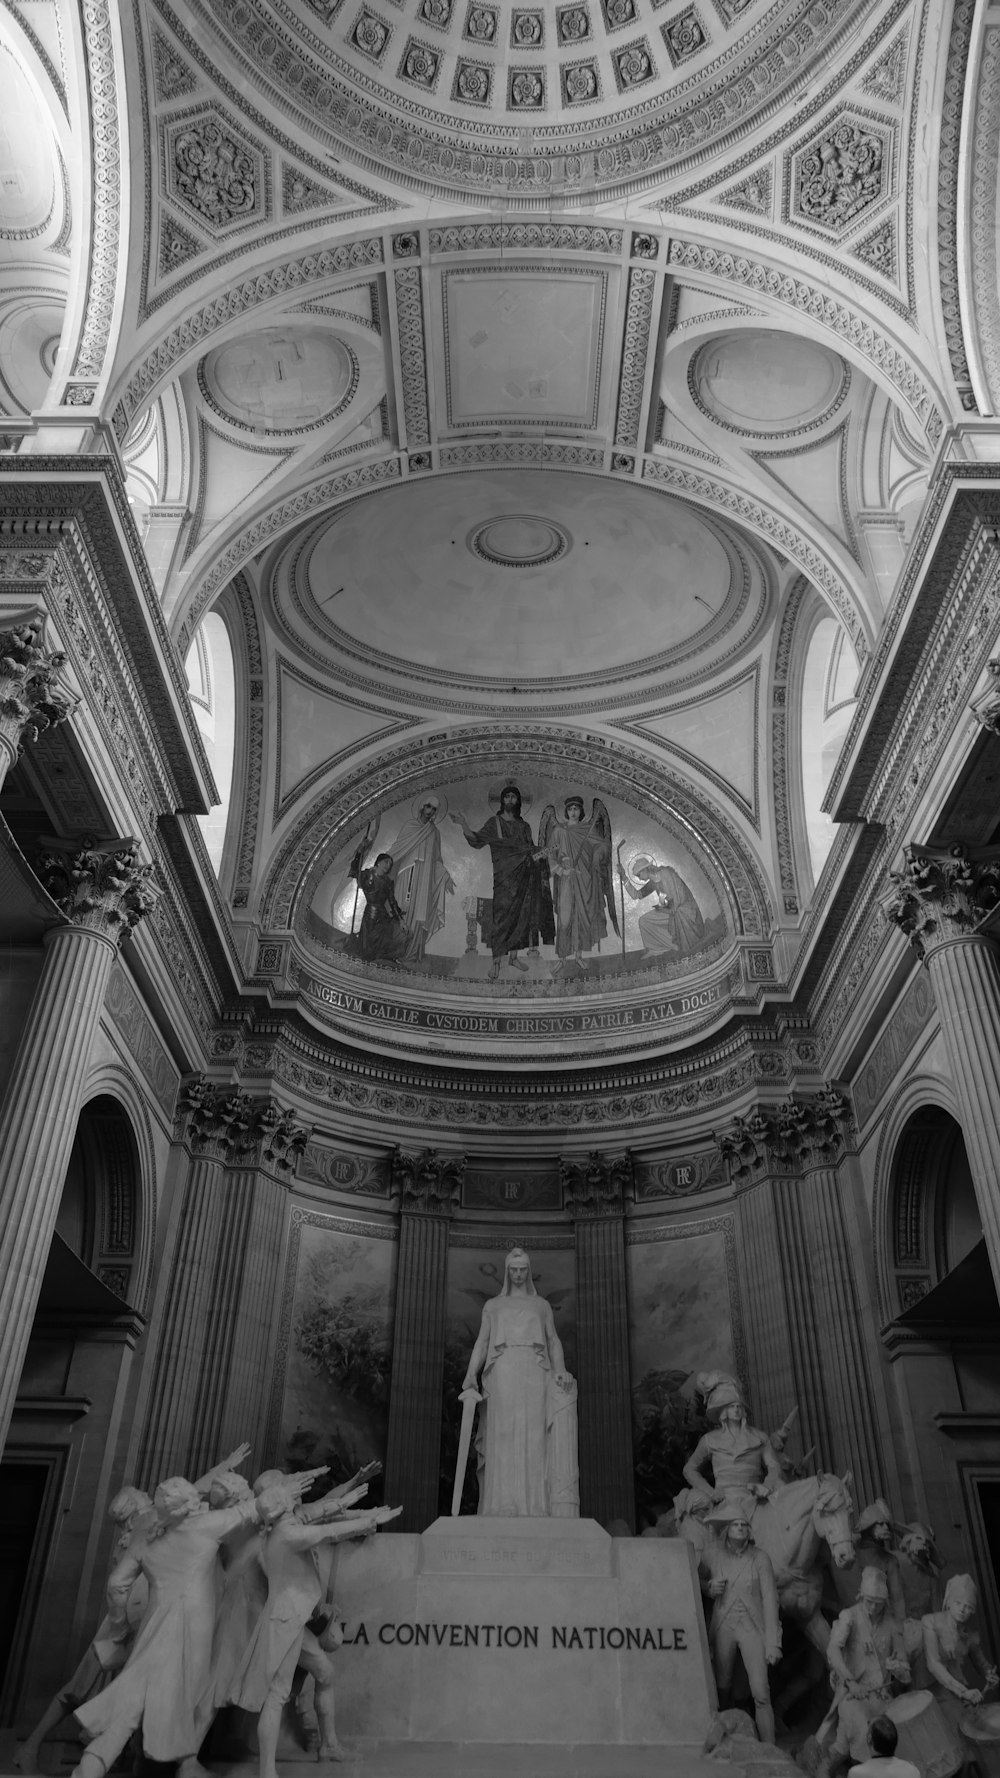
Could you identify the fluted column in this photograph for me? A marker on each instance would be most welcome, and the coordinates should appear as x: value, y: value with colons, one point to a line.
x: 32, y: 697
x: 430, y: 1190
x: 803, y: 1288
x: 942, y: 899
x: 594, y: 1193
x: 104, y: 891
x: 213, y: 1334
x: 779, y: 1373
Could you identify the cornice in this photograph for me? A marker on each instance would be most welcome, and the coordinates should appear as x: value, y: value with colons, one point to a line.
x: 54, y: 500
x: 943, y: 578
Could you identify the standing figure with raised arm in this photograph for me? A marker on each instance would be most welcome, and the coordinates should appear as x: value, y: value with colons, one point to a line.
x: 522, y: 899
x: 165, y: 1685
x: 132, y: 1511
x: 281, y: 1641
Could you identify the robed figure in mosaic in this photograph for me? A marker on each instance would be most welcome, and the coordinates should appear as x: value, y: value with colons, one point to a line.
x: 526, y: 1437
x: 522, y: 899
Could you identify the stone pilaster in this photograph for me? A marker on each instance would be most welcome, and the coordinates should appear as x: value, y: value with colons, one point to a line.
x: 214, y: 1331
x: 104, y: 891
x: 594, y: 1192
x: 942, y: 900
x: 429, y: 1187
x: 804, y: 1283
x: 32, y: 697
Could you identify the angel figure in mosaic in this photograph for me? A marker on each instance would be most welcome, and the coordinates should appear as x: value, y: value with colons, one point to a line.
x: 579, y: 857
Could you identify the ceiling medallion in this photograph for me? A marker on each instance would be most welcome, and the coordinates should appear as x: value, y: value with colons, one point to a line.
x: 519, y: 540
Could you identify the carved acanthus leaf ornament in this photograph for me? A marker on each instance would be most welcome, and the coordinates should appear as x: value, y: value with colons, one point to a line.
x: 943, y: 894
x: 102, y: 886
x: 31, y: 696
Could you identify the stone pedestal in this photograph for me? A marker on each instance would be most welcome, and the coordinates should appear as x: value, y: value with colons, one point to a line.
x: 537, y: 1631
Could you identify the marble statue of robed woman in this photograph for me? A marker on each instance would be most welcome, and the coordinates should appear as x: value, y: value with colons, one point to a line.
x: 526, y: 1436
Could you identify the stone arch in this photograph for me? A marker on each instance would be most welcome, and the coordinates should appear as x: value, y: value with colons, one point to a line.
x: 924, y: 1199
x: 113, y: 1166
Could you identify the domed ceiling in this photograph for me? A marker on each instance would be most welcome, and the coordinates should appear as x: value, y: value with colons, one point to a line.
x: 552, y: 501
x: 485, y: 96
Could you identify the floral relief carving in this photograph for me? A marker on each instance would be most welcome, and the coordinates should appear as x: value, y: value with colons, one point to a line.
x: 215, y: 172
x: 841, y: 174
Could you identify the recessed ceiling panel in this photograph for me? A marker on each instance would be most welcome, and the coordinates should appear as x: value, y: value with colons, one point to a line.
x: 519, y: 579
x: 523, y: 344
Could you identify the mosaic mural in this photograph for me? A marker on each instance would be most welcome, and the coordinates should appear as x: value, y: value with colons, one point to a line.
x: 538, y: 884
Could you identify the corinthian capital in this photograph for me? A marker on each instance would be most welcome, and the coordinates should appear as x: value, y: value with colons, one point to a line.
x: 943, y: 893
x: 31, y: 696
x: 428, y: 1183
x: 103, y: 886
x: 596, y: 1186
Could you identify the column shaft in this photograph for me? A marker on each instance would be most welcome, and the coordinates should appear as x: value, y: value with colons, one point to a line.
x: 840, y: 1399
x: 244, y: 1407
x: 966, y: 978
x: 777, y: 1378
x: 183, y: 1331
x: 413, y: 1459
x: 38, y: 1119
x: 607, y: 1483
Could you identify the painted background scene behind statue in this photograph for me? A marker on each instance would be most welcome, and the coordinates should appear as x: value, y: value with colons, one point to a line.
x: 339, y: 1353
x: 533, y: 882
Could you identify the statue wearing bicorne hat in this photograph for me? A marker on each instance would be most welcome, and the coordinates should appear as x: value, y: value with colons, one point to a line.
x: 740, y: 1579
x: 738, y: 1457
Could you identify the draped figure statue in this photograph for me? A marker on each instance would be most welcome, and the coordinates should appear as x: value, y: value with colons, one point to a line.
x: 526, y: 1436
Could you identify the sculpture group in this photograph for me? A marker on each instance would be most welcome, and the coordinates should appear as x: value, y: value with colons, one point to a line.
x: 903, y: 1651
x: 218, y: 1594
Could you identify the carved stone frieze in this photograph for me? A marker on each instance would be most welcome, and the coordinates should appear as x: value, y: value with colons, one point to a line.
x: 31, y: 696
x: 103, y: 886
x: 942, y: 894
x: 597, y: 1186
x: 428, y: 1183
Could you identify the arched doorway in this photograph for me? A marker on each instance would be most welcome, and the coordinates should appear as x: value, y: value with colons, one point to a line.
x: 944, y: 1340
x: 63, y: 1452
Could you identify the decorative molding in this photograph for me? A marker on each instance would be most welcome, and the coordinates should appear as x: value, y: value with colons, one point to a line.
x: 412, y: 354
x: 886, y: 78
x: 526, y: 237
x: 844, y: 169
x: 787, y: 873
x: 635, y: 351
x: 949, y: 167
x: 982, y: 250
x: 105, y: 164
x: 753, y: 194
x: 911, y: 1017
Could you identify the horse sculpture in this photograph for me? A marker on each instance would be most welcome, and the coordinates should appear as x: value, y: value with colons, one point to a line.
x: 791, y: 1526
